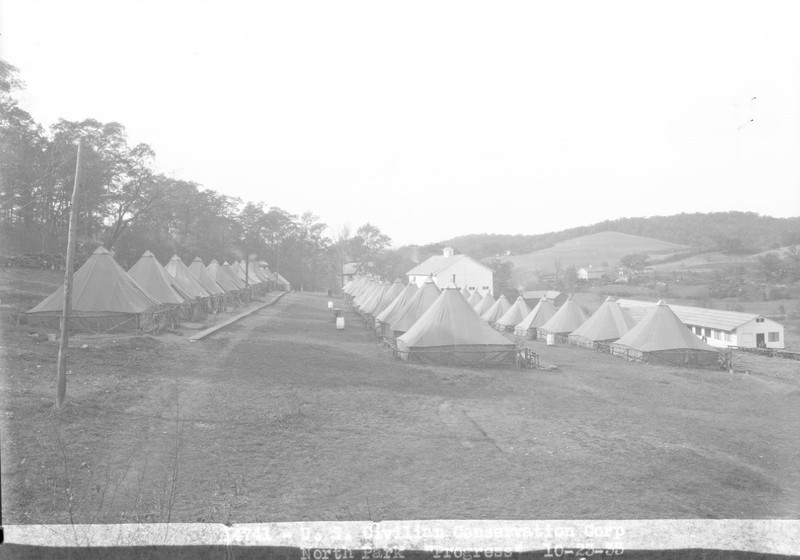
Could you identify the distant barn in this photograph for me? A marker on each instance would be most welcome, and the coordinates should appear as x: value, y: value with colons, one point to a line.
x: 718, y: 327
x: 461, y: 271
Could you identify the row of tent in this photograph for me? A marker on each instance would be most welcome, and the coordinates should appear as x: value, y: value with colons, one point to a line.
x: 659, y: 337
x: 429, y: 325
x: 150, y: 297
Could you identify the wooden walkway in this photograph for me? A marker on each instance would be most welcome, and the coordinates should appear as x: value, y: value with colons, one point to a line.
x: 209, y: 331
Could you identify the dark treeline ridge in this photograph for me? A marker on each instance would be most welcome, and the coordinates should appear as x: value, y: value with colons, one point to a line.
x: 729, y: 232
x: 125, y: 205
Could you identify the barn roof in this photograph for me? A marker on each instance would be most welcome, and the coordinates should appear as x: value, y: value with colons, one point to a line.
x: 699, y: 316
x: 439, y: 263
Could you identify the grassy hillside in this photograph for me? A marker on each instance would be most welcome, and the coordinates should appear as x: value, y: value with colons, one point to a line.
x: 730, y: 232
x: 595, y: 249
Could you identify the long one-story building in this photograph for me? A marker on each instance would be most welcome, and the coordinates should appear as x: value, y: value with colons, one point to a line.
x: 719, y: 328
x: 460, y: 270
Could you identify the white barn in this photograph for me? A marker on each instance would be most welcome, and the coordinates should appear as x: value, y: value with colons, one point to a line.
x: 461, y: 270
x: 719, y: 328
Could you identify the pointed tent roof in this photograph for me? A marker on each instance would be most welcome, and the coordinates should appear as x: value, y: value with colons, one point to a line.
x: 465, y: 293
x: 450, y: 321
x: 372, y: 303
x: 220, y: 277
x: 388, y: 297
x: 184, y: 278
x: 101, y: 285
x: 515, y: 314
x: 474, y: 299
x: 419, y: 304
x: 497, y: 310
x: 569, y: 317
x: 281, y: 280
x: 259, y: 273
x: 226, y: 269
x: 661, y: 330
x: 539, y: 315
x: 239, y: 268
x: 396, y: 307
x: 201, y: 274
x: 366, y: 293
x: 150, y: 275
x: 609, y: 322
x: 485, y: 304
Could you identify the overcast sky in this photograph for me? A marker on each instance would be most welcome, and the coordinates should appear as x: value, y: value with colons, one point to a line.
x: 435, y: 119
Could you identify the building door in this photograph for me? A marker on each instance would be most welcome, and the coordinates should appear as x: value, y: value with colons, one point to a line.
x: 760, y: 340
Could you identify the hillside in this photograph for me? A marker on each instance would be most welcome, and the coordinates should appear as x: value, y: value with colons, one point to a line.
x: 596, y: 249
x: 729, y: 232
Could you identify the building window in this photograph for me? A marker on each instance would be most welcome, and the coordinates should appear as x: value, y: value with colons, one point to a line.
x: 698, y: 331
x: 706, y: 332
x: 774, y: 337
x: 717, y: 335
x: 728, y: 337
x: 760, y: 320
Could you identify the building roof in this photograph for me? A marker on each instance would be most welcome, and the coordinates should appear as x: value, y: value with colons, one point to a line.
x: 699, y: 316
x: 439, y: 263
x: 351, y: 268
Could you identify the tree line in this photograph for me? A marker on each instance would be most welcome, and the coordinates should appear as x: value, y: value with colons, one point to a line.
x: 126, y: 205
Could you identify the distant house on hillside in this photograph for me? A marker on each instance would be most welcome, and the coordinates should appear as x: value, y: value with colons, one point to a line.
x: 718, y: 327
x: 592, y: 274
x: 532, y: 297
x: 448, y: 268
x: 349, y: 270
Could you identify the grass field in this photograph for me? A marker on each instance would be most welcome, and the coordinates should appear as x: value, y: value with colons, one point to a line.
x: 282, y: 417
x: 594, y: 249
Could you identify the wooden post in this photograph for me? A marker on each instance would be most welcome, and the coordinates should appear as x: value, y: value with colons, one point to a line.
x: 61, y: 373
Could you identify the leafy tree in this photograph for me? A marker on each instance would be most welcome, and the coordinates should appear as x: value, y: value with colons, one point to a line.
x: 635, y: 261
x: 367, y: 244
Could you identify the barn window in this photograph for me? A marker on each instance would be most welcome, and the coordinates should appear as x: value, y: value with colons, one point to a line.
x: 698, y: 331
x: 774, y: 337
x: 717, y: 335
x: 760, y: 320
x: 706, y: 332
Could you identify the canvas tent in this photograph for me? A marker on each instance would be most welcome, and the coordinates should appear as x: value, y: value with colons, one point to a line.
x: 451, y: 333
x: 515, y: 314
x: 661, y: 338
x: 465, y: 292
x: 539, y: 315
x: 485, y: 304
x: 150, y: 275
x: 606, y: 325
x: 201, y: 274
x: 224, y: 280
x: 282, y: 283
x: 104, y: 299
x: 474, y: 299
x: 417, y: 305
x: 497, y: 310
x: 186, y: 282
x: 386, y: 299
x: 393, y: 310
x: 569, y: 317
x: 374, y: 299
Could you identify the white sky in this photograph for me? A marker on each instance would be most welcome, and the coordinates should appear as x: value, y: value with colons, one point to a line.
x: 435, y: 119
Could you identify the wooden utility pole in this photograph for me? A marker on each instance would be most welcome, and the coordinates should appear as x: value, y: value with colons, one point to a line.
x: 61, y: 374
